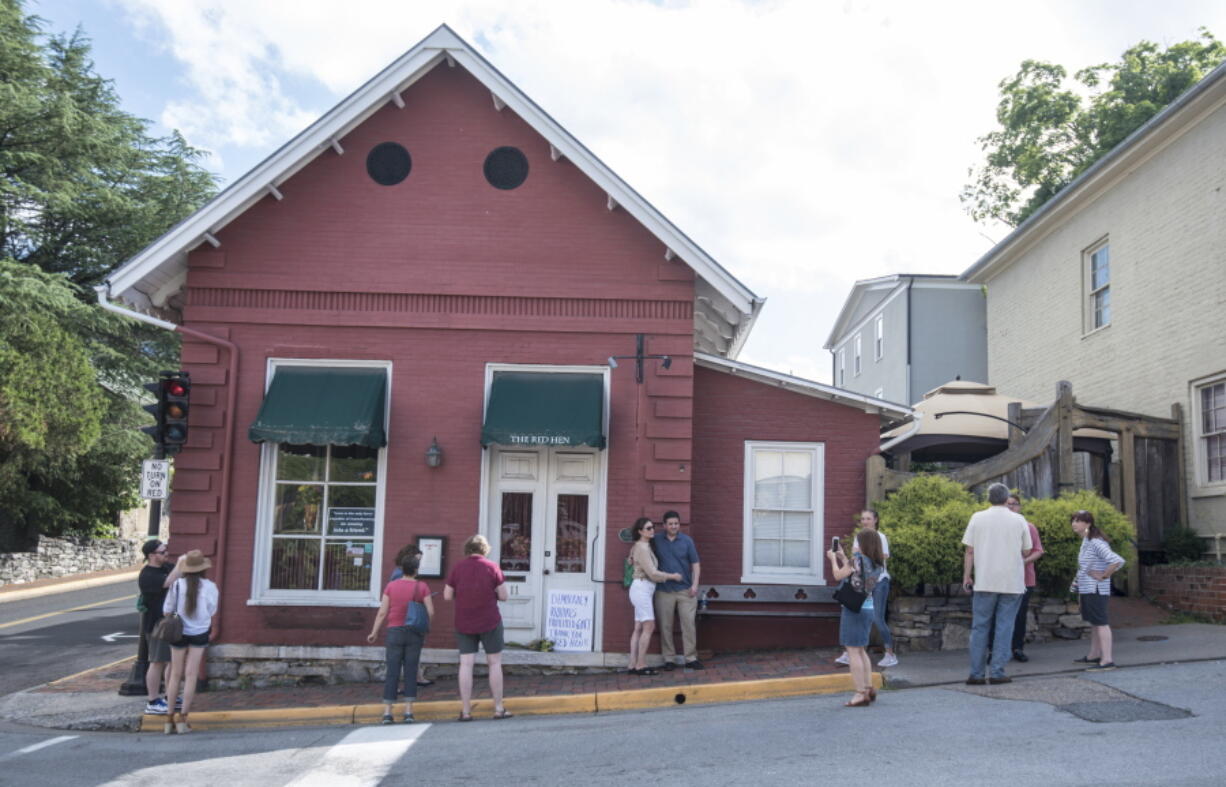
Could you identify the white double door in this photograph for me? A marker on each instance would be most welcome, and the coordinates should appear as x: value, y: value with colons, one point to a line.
x: 544, y: 514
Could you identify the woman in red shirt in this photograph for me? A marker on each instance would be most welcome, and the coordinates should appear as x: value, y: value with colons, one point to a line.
x: 403, y: 643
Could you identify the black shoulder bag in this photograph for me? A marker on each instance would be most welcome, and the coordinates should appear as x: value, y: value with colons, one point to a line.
x: 850, y: 592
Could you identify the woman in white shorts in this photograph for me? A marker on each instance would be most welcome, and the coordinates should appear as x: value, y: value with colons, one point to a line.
x: 646, y: 574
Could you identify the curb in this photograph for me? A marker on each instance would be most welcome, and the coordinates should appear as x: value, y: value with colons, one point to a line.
x: 68, y: 587
x: 592, y: 702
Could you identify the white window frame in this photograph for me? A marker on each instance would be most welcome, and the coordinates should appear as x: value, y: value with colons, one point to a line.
x: 879, y: 339
x: 261, y: 594
x: 856, y: 356
x: 1092, y: 292
x: 1200, y: 439
x: 842, y: 367
x: 815, y: 575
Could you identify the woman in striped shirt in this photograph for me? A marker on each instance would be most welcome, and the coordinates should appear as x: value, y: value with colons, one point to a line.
x: 1096, y: 562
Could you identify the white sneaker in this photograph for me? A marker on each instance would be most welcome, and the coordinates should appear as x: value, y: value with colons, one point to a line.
x: 842, y: 659
x: 888, y: 660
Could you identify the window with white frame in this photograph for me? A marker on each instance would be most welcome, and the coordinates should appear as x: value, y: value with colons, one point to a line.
x: 842, y: 367
x: 1211, y: 440
x: 1098, y: 287
x: 855, y: 355
x: 783, y: 512
x: 879, y: 338
x: 320, y: 527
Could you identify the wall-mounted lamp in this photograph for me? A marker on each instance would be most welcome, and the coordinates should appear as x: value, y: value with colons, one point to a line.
x: 665, y: 360
x: 434, y: 454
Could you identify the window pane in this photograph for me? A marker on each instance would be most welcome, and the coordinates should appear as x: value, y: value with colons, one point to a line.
x: 297, y: 508
x: 767, y: 524
x: 516, y: 551
x: 796, y: 525
x: 351, y: 496
x: 766, y: 553
x: 300, y: 462
x: 347, y: 565
x: 571, y: 537
x: 1100, y: 268
x: 768, y: 467
x: 796, y: 554
x: 797, y: 480
x: 1215, y: 447
x: 354, y: 463
x: 295, y: 564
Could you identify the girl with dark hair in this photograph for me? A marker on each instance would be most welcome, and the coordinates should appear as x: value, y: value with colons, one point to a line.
x: 194, y: 599
x: 410, y: 550
x: 854, y: 627
x: 646, y: 574
x: 403, y: 648
x: 881, y: 593
x: 1096, y: 562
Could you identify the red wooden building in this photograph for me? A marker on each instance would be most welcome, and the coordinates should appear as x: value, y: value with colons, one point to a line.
x: 399, y: 327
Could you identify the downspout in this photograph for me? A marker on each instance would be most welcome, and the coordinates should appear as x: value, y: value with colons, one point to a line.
x: 910, y: 397
x: 916, y: 422
x: 228, y: 439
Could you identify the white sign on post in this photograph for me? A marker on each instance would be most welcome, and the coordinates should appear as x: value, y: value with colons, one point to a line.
x: 155, y: 479
x: 568, y: 621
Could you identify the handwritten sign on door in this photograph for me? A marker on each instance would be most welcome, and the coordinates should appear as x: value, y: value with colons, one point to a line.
x: 568, y: 619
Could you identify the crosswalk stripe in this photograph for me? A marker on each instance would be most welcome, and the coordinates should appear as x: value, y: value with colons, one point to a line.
x: 363, y: 757
x: 33, y: 747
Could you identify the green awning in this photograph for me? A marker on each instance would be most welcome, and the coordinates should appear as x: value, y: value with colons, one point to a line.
x: 560, y: 408
x: 323, y: 405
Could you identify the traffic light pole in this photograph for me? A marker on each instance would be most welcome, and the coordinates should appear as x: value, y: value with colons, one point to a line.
x: 134, y: 686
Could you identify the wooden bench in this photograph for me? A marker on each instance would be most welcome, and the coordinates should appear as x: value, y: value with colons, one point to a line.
x: 753, y: 595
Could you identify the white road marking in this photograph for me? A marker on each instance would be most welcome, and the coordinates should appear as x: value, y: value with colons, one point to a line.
x: 33, y: 747
x: 363, y: 757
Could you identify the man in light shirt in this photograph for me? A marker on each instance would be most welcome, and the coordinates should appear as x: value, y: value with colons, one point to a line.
x: 997, y: 541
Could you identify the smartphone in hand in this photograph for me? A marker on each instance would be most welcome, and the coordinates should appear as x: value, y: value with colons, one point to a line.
x: 834, y: 544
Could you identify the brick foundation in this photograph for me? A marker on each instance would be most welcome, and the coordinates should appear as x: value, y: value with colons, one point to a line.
x: 1199, y: 589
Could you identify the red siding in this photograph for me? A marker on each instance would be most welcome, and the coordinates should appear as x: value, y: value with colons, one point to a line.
x: 729, y: 410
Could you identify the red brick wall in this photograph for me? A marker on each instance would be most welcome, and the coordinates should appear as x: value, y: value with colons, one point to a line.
x: 1200, y: 589
x: 729, y: 410
x: 440, y: 274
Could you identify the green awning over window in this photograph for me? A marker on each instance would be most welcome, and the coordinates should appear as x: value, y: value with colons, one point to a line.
x: 323, y: 405
x: 560, y: 408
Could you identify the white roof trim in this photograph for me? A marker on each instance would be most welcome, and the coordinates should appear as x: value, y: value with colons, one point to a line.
x: 889, y: 411
x: 170, y: 250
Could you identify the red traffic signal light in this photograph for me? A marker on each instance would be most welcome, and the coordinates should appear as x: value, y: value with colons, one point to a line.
x: 173, y: 393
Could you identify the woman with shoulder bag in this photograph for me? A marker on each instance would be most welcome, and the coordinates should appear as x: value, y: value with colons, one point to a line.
x: 405, y: 601
x: 869, y: 520
x: 642, y: 591
x: 862, y: 572
x: 194, y: 600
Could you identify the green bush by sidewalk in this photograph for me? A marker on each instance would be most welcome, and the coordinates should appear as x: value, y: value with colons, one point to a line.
x: 926, y: 518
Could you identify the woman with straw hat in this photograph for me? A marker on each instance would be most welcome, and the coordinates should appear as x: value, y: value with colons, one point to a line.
x: 194, y: 599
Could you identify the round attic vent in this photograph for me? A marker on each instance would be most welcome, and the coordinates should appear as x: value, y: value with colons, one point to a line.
x: 388, y: 163
x: 506, y: 168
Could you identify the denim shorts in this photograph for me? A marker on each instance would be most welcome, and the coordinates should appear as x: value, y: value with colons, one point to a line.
x: 192, y: 640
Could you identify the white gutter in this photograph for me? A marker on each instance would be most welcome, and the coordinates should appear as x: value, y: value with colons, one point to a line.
x: 915, y: 427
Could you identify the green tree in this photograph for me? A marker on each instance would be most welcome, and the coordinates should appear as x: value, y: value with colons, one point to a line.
x: 83, y: 185
x: 1050, y: 132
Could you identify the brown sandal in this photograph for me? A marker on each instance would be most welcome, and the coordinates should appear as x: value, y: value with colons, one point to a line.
x: 862, y: 702
x: 499, y: 715
x: 465, y: 717
x: 872, y: 695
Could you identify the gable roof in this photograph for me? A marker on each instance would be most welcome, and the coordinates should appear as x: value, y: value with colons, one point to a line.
x: 890, y: 412
x: 868, y: 294
x: 724, y: 308
x: 1162, y: 129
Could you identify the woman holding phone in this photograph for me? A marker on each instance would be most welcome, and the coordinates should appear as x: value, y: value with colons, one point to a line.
x: 854, y: 627
x: 881, y: 593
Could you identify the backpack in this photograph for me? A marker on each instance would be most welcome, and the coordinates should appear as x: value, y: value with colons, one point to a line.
x: 416, y: 617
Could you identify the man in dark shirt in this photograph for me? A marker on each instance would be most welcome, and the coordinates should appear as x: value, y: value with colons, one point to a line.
x: 677, y: 555
x: 154, y: 580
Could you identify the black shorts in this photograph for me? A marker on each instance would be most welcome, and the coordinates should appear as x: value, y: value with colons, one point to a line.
x: 192, y: 640
x: 490, y: 641
x: 1094, y: 608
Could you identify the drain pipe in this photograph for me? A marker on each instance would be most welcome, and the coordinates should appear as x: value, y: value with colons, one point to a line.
x: 104, y: 292
x: 916, y: 422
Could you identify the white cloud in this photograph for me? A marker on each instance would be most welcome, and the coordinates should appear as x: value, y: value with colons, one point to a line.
x: 803, y: 144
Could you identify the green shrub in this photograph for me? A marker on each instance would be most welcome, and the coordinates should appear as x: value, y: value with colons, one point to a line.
x: 1183, y: 545
x: 926, y: 518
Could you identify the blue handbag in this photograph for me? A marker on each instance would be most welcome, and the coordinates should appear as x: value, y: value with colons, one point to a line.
x: 416, y: 617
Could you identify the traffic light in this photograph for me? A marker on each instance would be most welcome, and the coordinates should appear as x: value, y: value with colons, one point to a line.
x: 172, y: 392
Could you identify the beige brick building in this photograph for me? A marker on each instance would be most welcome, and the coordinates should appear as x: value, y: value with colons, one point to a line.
x: 1118, y: 285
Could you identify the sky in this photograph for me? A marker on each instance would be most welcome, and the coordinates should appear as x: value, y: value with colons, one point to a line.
x: 804, y: 144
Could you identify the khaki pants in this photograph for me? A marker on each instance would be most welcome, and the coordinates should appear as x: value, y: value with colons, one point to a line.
x: 682, y: 604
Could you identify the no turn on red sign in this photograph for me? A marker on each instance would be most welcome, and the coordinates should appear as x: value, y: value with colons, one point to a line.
x: 155, y: 479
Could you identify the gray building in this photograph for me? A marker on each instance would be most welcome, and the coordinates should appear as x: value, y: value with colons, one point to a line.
x: 899, y: 336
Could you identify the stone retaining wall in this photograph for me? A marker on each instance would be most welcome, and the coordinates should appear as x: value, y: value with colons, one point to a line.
x: 58, y: 557
x: 1191, y: 588
x: 944, y: 623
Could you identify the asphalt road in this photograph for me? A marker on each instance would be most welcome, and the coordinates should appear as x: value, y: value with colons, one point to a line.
x: 48, y: 637
x: 925, y: 736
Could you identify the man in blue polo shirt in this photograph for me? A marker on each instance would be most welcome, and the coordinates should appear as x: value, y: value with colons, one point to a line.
x: 677, y: 555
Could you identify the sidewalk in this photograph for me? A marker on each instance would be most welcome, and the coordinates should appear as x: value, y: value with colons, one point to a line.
x: 89, y: 701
